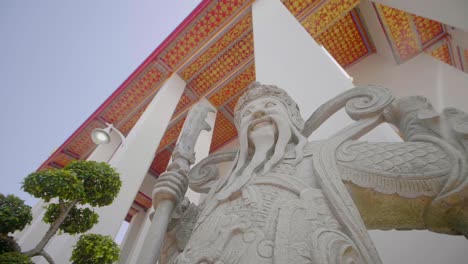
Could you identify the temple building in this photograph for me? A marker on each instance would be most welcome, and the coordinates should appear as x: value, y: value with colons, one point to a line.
x: 312, y: 48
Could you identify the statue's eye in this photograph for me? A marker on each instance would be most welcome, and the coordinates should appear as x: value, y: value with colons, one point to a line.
x: 270, y: 104
x: 246, y: 113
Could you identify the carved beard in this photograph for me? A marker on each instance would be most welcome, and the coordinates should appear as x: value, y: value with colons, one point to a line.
x: 287, y: 137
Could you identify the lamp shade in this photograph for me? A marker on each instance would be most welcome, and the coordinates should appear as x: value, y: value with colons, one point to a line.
x: 100, y: 136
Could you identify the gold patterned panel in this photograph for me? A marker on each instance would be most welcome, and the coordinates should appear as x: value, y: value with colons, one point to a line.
x: 184, y: 102
x: 161, y: 160
x: 82, y: 143
x: 441, y: 51
x: 125, y: 128
x: 244, y: 25
x: 296, y: 7
x: 398, y: 26
x: 224, y: 65
x: 237, y: 84
x: 344, y: 40
x: 231, y: 105
x: 134, y: 95
x: 326, y: 15
x: 224, y: 131
x: 215, y: 15
x: 172, y: 134
x: 427, y: 29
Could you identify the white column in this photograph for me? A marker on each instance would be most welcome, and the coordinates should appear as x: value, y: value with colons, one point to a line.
x: 138, y: 243
x: 132, y: 235
x: 287, y: 56
x: 132, y: 160
x: 450, y: 12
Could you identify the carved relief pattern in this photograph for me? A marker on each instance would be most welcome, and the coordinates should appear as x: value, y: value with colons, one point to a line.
x: 344, y: 41
x: 227, y: 39
x: 239, y: 83
x: 410, y: 169
x: 327, y: 15
x: 308, y: 233
x: 225, y: 64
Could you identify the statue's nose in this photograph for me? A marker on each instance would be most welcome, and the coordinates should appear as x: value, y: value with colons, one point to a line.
x: 258, y: 114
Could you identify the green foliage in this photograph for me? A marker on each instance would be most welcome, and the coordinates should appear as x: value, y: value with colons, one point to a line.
x: 78, y: 220
x: 89, y: 182
x: 8, y: 244
x: 54, y: 183
x: 15, y: 258
x: 14, y: 214
x: 93, y: 248
x: 101, y: 182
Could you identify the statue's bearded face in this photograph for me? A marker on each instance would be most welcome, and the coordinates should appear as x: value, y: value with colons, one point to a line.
x: 265, y: 127
x: 266, y: 133
x: 260, y: 117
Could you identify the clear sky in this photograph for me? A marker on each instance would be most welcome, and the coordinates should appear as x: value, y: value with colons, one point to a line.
x: 59, y: 60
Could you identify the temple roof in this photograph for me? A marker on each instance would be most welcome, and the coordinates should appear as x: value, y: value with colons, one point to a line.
x: 212, y: 50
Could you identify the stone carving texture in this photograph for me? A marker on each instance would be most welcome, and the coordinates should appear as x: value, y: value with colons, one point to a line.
x: 287, y: 200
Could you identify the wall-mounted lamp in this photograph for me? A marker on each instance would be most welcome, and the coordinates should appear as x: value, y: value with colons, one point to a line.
x: 102, y: 135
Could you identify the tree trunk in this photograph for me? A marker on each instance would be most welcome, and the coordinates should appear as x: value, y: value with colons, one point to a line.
x: 39, y: 249
x: 47, y: 257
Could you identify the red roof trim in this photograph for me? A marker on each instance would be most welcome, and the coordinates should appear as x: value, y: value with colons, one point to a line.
x: 194, y: 14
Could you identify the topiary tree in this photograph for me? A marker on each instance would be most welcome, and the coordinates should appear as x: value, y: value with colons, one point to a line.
x: 93, y: 248
x: 15, y: 258
x: 14, y: 214
x: 79, y: 183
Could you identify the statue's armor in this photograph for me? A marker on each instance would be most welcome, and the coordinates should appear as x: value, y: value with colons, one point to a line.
x: 279, y: 217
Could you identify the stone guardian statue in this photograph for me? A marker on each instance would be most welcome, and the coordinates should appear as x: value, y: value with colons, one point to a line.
x: 288, y: 200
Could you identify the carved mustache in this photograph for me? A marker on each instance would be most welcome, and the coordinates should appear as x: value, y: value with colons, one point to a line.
x: 259, y: 121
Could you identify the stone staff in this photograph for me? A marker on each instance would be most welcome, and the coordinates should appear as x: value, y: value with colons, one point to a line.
x: 171, y: 186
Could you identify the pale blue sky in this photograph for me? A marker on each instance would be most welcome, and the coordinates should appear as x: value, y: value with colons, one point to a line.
x: 59, y: 60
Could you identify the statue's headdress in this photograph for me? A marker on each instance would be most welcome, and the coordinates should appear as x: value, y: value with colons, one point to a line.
x: 257, y: 90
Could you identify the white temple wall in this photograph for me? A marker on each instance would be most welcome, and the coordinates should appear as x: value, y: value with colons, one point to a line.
x: 424, y: 75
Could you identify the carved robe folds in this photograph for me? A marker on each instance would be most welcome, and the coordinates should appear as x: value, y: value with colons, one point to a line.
x: 280, y: 215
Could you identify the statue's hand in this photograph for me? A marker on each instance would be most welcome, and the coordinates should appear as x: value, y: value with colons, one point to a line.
x: 171, y: 185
